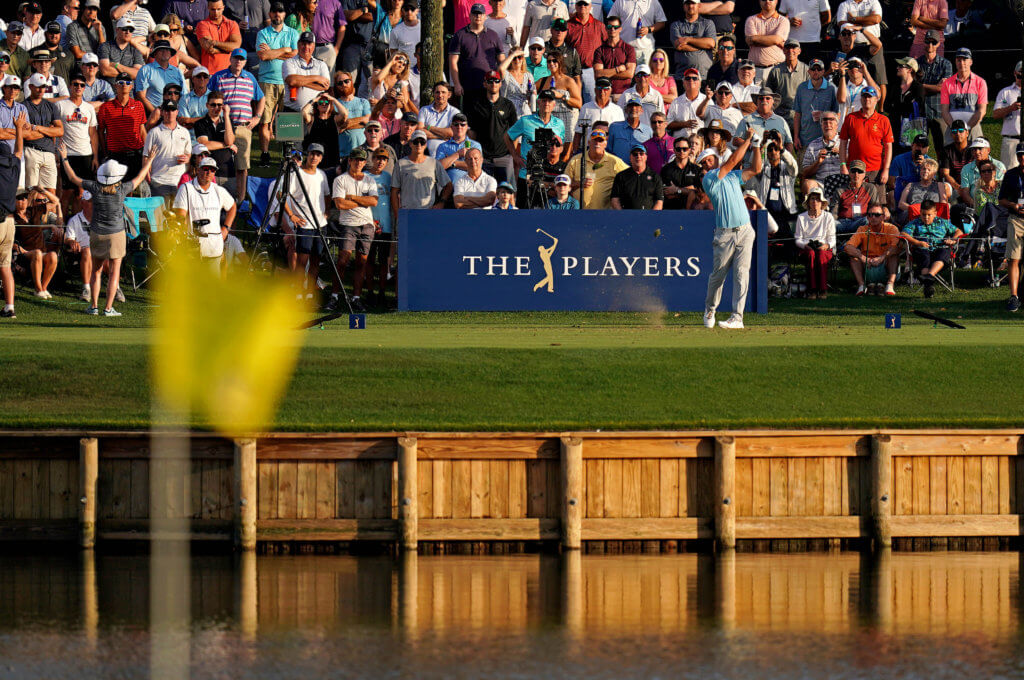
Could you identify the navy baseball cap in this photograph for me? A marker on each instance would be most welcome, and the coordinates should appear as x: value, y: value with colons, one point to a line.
x: 963, y: 53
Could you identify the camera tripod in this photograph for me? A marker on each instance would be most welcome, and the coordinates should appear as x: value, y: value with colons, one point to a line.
x: 287, y: 174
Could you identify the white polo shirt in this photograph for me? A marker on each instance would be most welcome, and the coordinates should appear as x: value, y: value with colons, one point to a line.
x: 1007, y: 96
x: 481, y: 186
x: 346, y: 185
x: 863, y: 8
x: 592, y: 113
x: 172, y: 142
x: 681, y: 110
x: 205, y: 204
x: 78, y: 230
x: 297, y: 67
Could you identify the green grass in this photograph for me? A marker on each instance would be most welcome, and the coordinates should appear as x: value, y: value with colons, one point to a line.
x: 807, y: 364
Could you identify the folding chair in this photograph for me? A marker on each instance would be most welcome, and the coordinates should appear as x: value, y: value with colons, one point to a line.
x: 942, y: 210
x: 152, y: 208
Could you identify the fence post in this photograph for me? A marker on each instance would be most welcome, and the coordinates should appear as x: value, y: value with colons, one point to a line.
x: 408, y: 514
x: 88, y: 461
x: 572, y: 492
x: 245, y: 494
x: 725, y: 488
x: 881, y: 489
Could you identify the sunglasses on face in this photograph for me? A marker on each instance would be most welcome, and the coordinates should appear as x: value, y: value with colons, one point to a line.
x: 128, y: 29
x: 613, y: 27
x: 124, y: 83
x: 682, y: 148
x: 846, y: 33
x: 458, y: 123
x: 637, y: 152
x: 536, y: 48
x: 201, y: 75
x: 874, y: 214
x: 658, y: 59
x: 4, y: 60
x: 344, y: 82
x: 658, y: 122
x: 417, y: 142
x: 856, y: 171
x: 212, y: 105
x: 207, y: 169
x: 988, y: 170
x: 492, y: 81
x: 691, y: 78
x: 727, y: 48
x: 817, y: 68
x: 90, y: 65
x: 79, y: 84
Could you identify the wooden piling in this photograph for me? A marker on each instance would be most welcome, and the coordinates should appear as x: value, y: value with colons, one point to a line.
x: 245, y: 494
x: 408, y: 513
x: 881, y: 490
x: 725, y: 491
x: 89, y: 465
x: 572, y: 492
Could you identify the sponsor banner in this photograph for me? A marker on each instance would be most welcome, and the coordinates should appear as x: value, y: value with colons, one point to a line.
x: 586, y: 260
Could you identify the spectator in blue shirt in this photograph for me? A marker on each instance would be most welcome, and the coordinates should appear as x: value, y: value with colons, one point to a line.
x: 562, y: 200
x: 519, y: 137
x: 452, y: 153
x: 930, y: 238
x: 192, y: 106
x: 906, y: 167
x: 274, y: 44
x: 382, y: 250
x: 623, y: 134
x: 156, y: 75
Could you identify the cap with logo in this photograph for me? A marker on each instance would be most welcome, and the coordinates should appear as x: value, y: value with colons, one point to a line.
x: 34, y: 8
x: 37, y: 80
x: 816, y: 62
x: 536, y: 41
x: 15, y: 27
x: 199, y: 149
x: 123, y: 77
x: 858, y: 165
x: 492, y: 75
x: 869, y: 92
x: 547, y: 94
x: 277, y: 6
x: 505, y: 186
x: 419, y: 134
x: 478, y: 8
x: 125, y: 22
x: 958, y: 126
x: 169, y: 105
x: 724, y: 85
x: 980, y: 143
x: 53, y: 27
x: 1019, y: 151
x: 200, y: 70
x: 90, y: 58
x: 933, y: 36
x: 208, y: 162
x: 691, y: 72
x: 791, y: 42
x: 12, y: 81
x: 847, y: 28
x: 239, y: 52
x: 563, y: 179
x: 643, y: 69
x: 559, y: 25
x: 602, y: 83
x: 372, y: 124
x: 307, y: 36
x: 358, y: 154
x: 315, y: 147
x: 599, y: 134
x: 910, y: 63
x: 921, y: 140
x: 638, y: 147
x: 746, y: 64
x: 410, y: 119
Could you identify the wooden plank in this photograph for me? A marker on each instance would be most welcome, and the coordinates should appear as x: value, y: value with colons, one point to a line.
x: 554, y: 489
x: 499, y: 488
x: 383, y: 475
x: 536, y: 484
x: 480, y: 490
x: 668, y: 488
x: 120, y: 488
x: 744, y: 494
x: 305, y: 489
x: 949, y: 444
x: 139, y: 505
x: 424, y: 486
x: 521, y: 529
x: 955, y: 485
x: 903, y: 485
x: 796, y: 472
x: 326, y: 485
x: 287, y: 474
x: 1005, y: 487
x: 306, y: 447
x: 798, y: 446
x: 650, y: 488
x: 58, y: 472
x: 328, y: 530
x: 74, y: 501
x: 956, y: 525
x: 195, y: 482
x: 517, y: 489
x: 364, y: 489
x: 831, y: 487
x: 647, y: 447
x: 462, y: 488
x: 210, y: 486
x: 594, y: 481
x: 814, y: 492
x: 487, y: 448
x: 798, y: 527
x: 632, y: 487
x: 937, y: 486
x: 972, y: 485
x: 442, y: 491
x: 7, y: 484
x: 760, y: 482
x: 922, y: 482
x: 267, y: 484
x: 779, y: 485
x: 613, y: 488
x: 684, y: 489
x: 989, y: 485
x: 227, y: 489
x: 678, y: 528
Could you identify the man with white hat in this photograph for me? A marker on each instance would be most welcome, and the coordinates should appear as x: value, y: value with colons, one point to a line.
x: 139, y: 17
x: 969, y: 174
x: 97, y: 90
x: 642, y: 92
x: 192, y: 106
x: 156, y: 75
x: 734, y: 237
x: 10, y: 109
x: 202, y: 202
x: 54, y: 87
x: 1007, y: 109
x: 45, y: 126
x: 175, y: 146
x: 120, y: 54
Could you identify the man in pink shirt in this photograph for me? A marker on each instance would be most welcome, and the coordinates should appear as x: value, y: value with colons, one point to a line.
x: 766, y: 33
x: 964, y: 96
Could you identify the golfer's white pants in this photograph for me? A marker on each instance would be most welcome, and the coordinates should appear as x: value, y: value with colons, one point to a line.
x: 732, y: 248
x: 1008, y: 152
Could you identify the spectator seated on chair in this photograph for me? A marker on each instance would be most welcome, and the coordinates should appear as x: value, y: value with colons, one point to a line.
x: 874, y: 253
x: 928, y: 187
x: 854, y: 200
x: 930, y: 237
x: 816, y: 241
x: 38, y: 235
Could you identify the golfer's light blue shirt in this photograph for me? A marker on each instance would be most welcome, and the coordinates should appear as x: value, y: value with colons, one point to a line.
x: 726, y: 195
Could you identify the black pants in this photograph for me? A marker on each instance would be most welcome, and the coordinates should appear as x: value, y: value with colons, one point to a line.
x: 131, y: 159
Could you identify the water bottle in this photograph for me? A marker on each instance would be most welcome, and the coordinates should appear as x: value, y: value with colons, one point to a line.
x: 639, y: 25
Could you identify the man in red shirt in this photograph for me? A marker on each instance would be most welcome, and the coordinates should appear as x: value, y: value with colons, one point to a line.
x: 217, y: 36
x: 121, y: 125
x: 615, y: 59
x: 585, y: 35
x: 867, y: 136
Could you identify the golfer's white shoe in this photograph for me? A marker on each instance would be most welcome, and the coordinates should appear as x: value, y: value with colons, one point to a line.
x: 733, y: 322
x: 709, y: 319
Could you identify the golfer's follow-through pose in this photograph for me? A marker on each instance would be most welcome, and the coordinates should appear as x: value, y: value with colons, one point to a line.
x: 734, y: 237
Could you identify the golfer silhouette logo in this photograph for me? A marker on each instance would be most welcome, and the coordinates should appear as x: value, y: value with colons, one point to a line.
x: 545, y: 258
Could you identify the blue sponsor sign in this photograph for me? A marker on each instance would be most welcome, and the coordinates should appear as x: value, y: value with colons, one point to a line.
x: 594, y: 260
x: 893, y: 321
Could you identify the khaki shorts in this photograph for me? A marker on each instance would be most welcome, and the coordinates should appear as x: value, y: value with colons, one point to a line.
x: 40, y: 168
x: 243, y: 140
x: 1014, y: 237
x: 272, y: 96
x: 6, y: 241
x: 108, y: 246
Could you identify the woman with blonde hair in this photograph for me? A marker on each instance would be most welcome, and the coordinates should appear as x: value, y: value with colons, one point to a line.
x: 568, y: 99
x: 185, y: 53
x: 662, y: 81
x: 397, y: 79
x: 107, y: 239
x: 516, y: 82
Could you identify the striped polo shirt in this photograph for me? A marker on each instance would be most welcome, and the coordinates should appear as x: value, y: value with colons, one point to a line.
x: 239, y: 92
x: 963, y: 96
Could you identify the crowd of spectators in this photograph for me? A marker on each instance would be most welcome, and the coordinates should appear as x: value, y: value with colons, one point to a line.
x: 546, y: 104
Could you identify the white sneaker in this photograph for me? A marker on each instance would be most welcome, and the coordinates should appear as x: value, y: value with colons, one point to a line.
x: 709, y: 319
x: 111, y: 312
x: 42, y: 294
x: 86, y: 293
x: 733, y: 322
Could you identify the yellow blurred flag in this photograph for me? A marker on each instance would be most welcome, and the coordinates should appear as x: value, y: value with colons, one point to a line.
x: 224, y: 349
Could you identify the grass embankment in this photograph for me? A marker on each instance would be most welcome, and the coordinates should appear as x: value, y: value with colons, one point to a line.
x: 807, y: 364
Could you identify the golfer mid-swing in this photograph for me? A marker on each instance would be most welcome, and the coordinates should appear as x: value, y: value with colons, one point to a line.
x: 734, y: 237
x: 545, y: 258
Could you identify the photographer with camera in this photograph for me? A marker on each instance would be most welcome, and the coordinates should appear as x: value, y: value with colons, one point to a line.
x: 906, y: 167
x: 815, y: 234
x: 107, y: 239
x: 520, y: 141
x: 821, y: 156
x: 201, y: 203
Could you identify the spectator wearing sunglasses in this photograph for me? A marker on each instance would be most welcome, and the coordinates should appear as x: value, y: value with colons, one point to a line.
x: 80, y: 137
x: 120, y: 54
x: 452, y: 153
x: 874, y: 253
x: 489, y: 119
x: 615, y: 59
x: 15, y: 52
x: 192, y: 105
x: 419, y: 181
x: 244, y: 98
x: 97, y: 90
x: 726, y: 65
x: 141, y: 20
x: 121, y: 125
x: 680, y: 176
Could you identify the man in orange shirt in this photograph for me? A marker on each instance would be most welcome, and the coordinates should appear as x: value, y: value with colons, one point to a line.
x: 217, y: 36
x: 874, y: 253
x: 867, y: 136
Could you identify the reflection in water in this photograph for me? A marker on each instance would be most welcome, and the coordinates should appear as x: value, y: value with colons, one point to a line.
x: 820, y: 616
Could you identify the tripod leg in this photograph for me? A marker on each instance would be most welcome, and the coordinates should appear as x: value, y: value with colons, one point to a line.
x: 266, y: 215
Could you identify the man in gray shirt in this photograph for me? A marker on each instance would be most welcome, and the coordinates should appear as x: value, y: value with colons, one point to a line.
x: 693, y: 39
x: 419, y: 181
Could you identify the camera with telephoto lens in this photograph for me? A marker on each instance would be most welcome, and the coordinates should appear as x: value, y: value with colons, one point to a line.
x: 197, y: 227
x: 542, y: 141
x: 815, y: 245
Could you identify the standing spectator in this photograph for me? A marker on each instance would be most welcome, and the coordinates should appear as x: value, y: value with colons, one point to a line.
x: 734, y: 237
x: 720, y: 13
x: 63, y: 62
x: 637, y: 187
x: 419, y: 181
x: 615, y: 59
x: 603, y: 108
x: 598, y: 172
x: 191, y: 12
x: 472, y: 52
x: 251, y: 16
x: 626, y: 134
x: 86, y: 34
x: 865, y: 16
x: 662, y: 80
x: 1007, y: 109
x: 97, y: 90
x: 806, y: 19
x: 907, y: 107
x: 517, y: 83
x: 586, y: 34
x: 202, y: 199
x: 305, y: 76
x: 659, y: 145
x: 680, y: 176
x: 766, y: 33
x: 141, y: 20
x: 693, y: 38
x: 301, y: 19
x: 275, y: 44
x: 641, y: 19
x: 68, y: 14
x: 329, y: 28
x: 930, y: 237
x: 382, y: 250
x: 452, y: 153
x: 566, y: 92
x: 572, y: 65
x: 499, y: 22
x: 192, y: 106
x: 357, y: 36
x: 356, y: 115
x: 928, y: 15
x: 519, y: 138
x: 874, y: 252
x: 436, y: 119
x: 474, y: 189
x: 44, y: 127
x: 79, y: 138
x: 956, y: 154
x: 935, y: 69
x: 683, y: 116
x: 121, y: 125
x: 538, y: 18
x: 120, y: 55
x: 462, y: 13
x: 10, y: 170
x: 240, y: 91
x: 1011, y: 198
x: 725, y: 67
x: 813, y: 98
x: 157, y: 75
x: 405, y: 35
x: 867, y: 136
x: 15, y: 52
x: 354, y: 196
x: 856, y: 80
x: 745, y: 89
x: 787, y: 77
x: 54, y: 87
x: 173, y: 148
x: 490, y: 117
x: 215, y: 132
x: 719, y: 107
x: 374, y: 145
x: 34, y: 34
x: 217, y: 36
x: 774, y: 187
x: 815, y: 241
x: 964, y: 95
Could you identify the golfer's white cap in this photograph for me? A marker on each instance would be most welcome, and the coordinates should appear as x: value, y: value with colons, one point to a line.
x: 199, y: 70
x: 12, y: 81
x: 706, y: 153
x: 90, y: 58
x: 38, y: 80
x: 537, y: 40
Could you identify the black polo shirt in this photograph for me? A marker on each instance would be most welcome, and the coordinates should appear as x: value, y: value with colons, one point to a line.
x: 1012, y: 188
x: 688, y: 176
x: 571, y: 62
x: 954, y: 159
x: 638, y: 190
x: 489, y: 121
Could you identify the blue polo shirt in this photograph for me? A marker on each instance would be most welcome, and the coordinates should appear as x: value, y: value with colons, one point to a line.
x: 270, y: 71
x: 726, y: 195
x: 932, y: 234
x: 99, y: 91
x: 621, y: 138
x: 350, y: 139
x: 810, y: 99
x: 192, y: 105
x: 526, y: 127
x: 154, y: 79
x: 448, y: 148
x: 382, y: 211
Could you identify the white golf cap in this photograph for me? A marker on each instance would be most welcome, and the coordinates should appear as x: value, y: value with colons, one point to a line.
x: 847, y: 27
x: 199, y: 70
x: 125, y: 22
x: 11, y: 81
x: 643, y: 68
x: 198, y: 149
x: 536, y: 41
x: 86, y: 196
x: 706, y: 153
x: 38, y: 80
x: 208, y: 162
x: 980, y: 143
x: 90, y: 58
x: 111, y: 172
x: 563, y: 179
